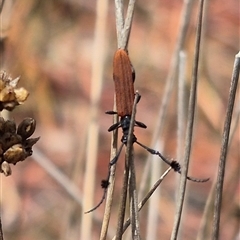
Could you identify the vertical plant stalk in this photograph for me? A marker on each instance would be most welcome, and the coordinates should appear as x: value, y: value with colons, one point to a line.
x: 128, y: 24
x: 189, y: 133
x: 224, y: 149
x: 128, y: 159
x: 181, y: 106
x: 123, y: 26
x: 206, y: 222
x: 109, y: 198
x: 134, y: 216
x: 1, y: 232
x: 132, y: 182
x: 119, y: 20
x: 93, y: 130
x: 123, y: 33
x: 123, y: 199
x: 184, y: 22
x: 152, y: 217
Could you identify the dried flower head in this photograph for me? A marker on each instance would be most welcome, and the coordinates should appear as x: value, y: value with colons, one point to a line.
x: 15, y: 144
x: 10, y: 95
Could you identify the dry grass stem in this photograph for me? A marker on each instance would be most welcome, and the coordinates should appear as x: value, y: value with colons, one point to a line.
x: 190, y: 123
x: 1, y: 232
x: 132, y: 181
x: 93, y: 129
x: 181, y: 120
x: 135, y: 224
x: 153, y: 214
x: 128, y: 159
x: 128, y: 24
x: 181, y: 105
x: 109, y: 198
x: 123, y: 26
x: 122, y: 204
x: 206, y: 221
x: 119, y: 20
x: 63, y: 57
x: 171, y: 78
x: 224, y: 149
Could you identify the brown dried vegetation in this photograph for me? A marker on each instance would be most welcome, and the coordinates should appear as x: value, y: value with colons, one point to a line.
x: 49, y: 43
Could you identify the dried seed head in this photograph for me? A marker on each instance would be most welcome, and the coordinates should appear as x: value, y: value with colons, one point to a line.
x: 2, y: 121
x: 9, y: 126
x: 1, y: 150
x: 26, y: 128
x: 8, y: 139
x: 15, y: 144
x: 10, y: 96
x: 30, y: 142
x: 14, y: 154
x: 7, y: 94
x: 6, y: 169
x: 21, y: 95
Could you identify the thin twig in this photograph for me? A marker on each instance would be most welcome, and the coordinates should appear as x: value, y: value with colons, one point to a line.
x: 153, y: 215
x: 134, y: 203
x: 224, y: 148
x: 189, y: 133
x: 132, y: 182
x: 181, y: 106
x: 122, y: 204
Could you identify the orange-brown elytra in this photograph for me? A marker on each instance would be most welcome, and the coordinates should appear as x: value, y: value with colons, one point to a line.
x: 123, y: 76
x: 123, y: 80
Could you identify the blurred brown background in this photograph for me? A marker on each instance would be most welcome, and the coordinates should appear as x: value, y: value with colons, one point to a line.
x: 50, y: 44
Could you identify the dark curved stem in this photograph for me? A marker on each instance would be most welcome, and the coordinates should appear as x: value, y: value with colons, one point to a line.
x: 1, y: 232
x: 1, y: 6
